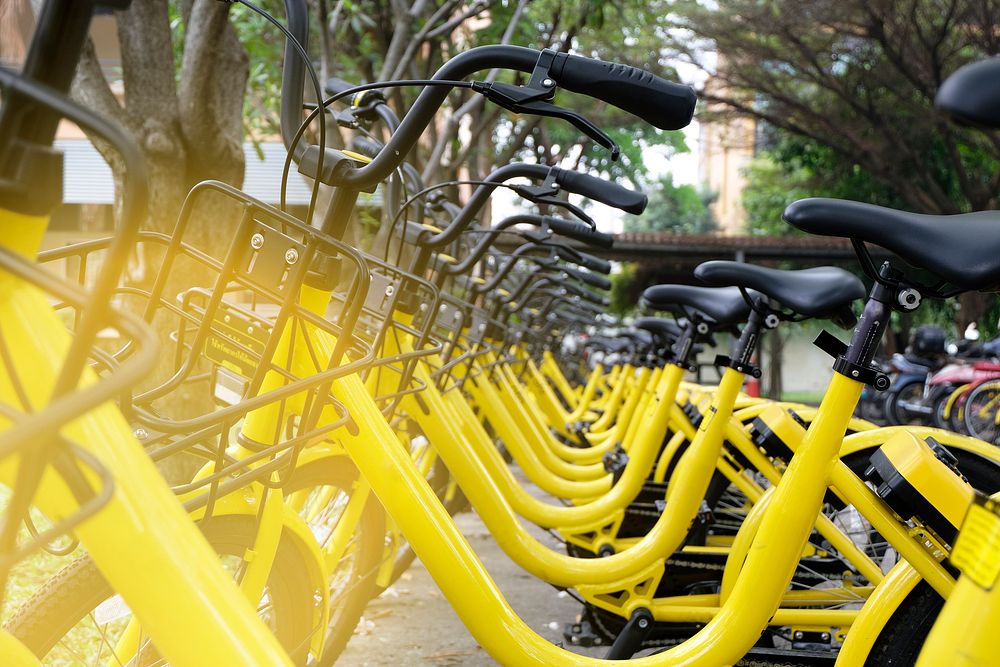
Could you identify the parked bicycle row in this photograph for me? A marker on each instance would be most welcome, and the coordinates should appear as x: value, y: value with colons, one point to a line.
x: 325, y: 410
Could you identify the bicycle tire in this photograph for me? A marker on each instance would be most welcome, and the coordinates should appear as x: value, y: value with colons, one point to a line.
x: 893, y: 413
x: 347, y: 608
x: 899, y: 643
x: 984, y: 394
x: 938, y: 400
x: 75, y: 592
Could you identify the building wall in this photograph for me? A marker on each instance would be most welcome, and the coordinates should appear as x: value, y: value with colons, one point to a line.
x: 17, y: 23
x: 805, y: 369
x: 727, y: 147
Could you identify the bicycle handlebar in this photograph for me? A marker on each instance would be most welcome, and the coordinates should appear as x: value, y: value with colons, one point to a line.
x: 579, y: 232
x: 556, y: 225
x: 605, y: 192
x: 293, y: 76
x: 666, y: 105
x: 592, y: 279
x: 585, y: 260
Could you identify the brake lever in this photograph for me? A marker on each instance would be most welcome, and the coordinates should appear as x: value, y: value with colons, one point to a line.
x: 344, y: 117
x: 572, y: 208
x: 545, y: 194
x: 528, y: 100
x: 576, y: 120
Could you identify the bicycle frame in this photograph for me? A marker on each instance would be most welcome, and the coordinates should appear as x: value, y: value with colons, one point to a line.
x: 143, y: 528
x: 964, y: 634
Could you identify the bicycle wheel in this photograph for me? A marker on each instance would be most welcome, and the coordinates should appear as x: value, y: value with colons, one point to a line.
x: 327, y: 485
x: 981, y: 411
x: 909, y: 393
x: 77, y: 619
x: 903, y: 636
x: 939, y: 401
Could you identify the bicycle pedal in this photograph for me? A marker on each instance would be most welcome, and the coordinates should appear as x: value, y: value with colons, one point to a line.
x: 581, y: 634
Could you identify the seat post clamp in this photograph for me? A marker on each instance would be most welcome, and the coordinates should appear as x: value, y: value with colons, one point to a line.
x: 836, y: 348
x: 870, y: 375
x: 741, y: 366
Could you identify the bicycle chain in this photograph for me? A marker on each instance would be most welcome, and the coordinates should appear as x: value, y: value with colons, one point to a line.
x: 597, y: 615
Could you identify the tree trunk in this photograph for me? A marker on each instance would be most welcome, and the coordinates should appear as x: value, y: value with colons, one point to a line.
x: 775, y: 349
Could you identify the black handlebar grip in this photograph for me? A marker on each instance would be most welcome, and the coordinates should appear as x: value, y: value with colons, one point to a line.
x: 585, y: 260
x: 592, y: 279
x: 601, y: 190
x: 336, y: 86
x: 666, y: 105
x: 584, y: 293
x: 366, y: 146
x: 594, y: 263
x: 579, y: 232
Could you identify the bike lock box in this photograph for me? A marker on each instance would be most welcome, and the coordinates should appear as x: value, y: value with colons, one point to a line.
x: 778, y: 431
x: 919, y: 479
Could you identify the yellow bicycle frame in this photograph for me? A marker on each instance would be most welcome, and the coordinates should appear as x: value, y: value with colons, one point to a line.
x: 191, y: 607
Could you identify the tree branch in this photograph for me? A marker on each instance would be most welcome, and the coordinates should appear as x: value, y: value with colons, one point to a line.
x: 400, y: 36
x: 474, y: 103
x: 214, y: 73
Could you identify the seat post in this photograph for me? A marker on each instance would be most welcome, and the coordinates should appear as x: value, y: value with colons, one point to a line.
x: 872, y: 324
x: 681, y: 349
x: 748, y: 338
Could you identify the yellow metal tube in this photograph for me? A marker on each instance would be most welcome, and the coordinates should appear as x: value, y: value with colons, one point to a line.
x: 490, y: 402
x: 478, y: 602
x: 965, y: 632
x: 491, y: 465
x: 879, y: 607
x: 144, y: 529
x: 14, y: 653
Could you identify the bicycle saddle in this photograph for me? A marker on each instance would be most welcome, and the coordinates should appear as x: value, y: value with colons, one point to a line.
x: 971, y: 94
x: 611, y: 345
x: 726, y: 306
x: 662, y: 329
x: 822, y: 291
x: 640, y: 337
x: 961, y: 249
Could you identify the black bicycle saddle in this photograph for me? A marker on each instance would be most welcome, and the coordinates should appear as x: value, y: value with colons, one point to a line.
x: 971, y: 95
x: 823, y: 291
x: 962, y: 249
x: 664, y: 330
x: 725, y: 306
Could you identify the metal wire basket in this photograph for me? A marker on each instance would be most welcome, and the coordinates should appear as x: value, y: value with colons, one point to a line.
x: 396, y: 320
x: 32, y: 443
x: 252, y: 334
x: 470, y: 334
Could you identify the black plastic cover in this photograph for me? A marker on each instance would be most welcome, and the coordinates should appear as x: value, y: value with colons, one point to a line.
x: 598, y: 189
x: 666, y: 105
x: 972, y: 94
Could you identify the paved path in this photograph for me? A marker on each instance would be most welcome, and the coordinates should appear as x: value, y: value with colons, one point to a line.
x: 412, y: 623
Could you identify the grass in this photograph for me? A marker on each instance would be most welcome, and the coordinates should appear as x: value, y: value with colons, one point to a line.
x: 807, y: 397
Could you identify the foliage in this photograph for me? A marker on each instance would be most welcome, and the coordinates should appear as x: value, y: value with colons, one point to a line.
x: 858, y: 78
x: 678, y: 208
x: 621, y: 288
x: 797, y: 167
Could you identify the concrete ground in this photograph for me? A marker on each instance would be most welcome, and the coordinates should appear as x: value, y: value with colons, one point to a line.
x: 412, y: 623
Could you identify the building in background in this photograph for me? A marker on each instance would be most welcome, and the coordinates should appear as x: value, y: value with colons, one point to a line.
x: 728, y: 144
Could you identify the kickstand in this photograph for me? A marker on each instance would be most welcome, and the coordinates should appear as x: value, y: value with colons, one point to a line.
x: 632, y: 635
